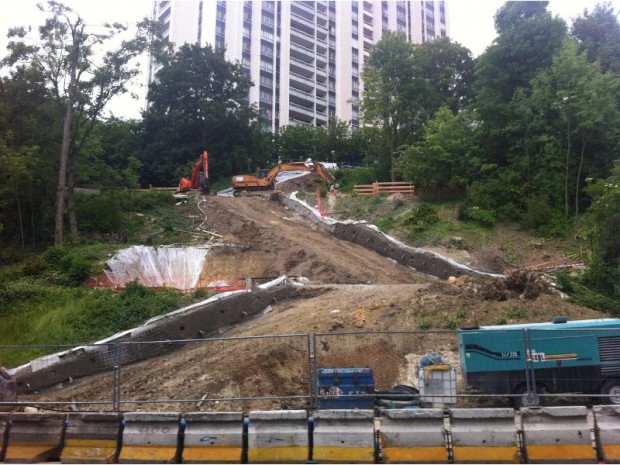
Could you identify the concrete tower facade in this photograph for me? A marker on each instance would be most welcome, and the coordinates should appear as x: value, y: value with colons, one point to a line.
x: 304, y: 57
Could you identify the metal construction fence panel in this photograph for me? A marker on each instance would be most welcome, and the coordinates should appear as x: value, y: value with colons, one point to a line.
x: 282, y: 371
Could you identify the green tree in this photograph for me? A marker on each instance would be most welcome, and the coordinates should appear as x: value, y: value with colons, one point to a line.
x: 602, y: 226
x: 198, y: 102
x: 445, y: 157
x: 388, y: 82
x: 528, y: 38
x: 598, y: 33
x: 447, y: 69
x: 80, y: 84
x: 581, y: 100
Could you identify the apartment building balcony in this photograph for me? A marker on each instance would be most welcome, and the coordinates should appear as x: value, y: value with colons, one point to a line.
x: 321, y: 62
x: 320, y: 90
x: 302, y: 53
x: 302, y: 25
x: 301, y: 38
x: 321, y: 105
x: 300, y: 82
x: 304, y: 99
x: 301, y: 113
x: 304, y: 5
x: 295, y: 122
x: 303, y: 11
x: 321, y: 75
x: 302, y: 68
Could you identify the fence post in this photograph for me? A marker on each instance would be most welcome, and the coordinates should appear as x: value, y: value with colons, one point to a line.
x: 312, y: 353
x: 116, y: 384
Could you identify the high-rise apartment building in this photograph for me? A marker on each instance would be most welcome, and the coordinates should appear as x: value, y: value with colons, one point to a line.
x: 304, y: 57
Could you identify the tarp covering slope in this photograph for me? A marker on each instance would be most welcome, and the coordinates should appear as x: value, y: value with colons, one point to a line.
x: 174, y: 267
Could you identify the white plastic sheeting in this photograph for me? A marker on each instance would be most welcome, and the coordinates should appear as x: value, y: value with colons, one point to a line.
x: 174, y: 267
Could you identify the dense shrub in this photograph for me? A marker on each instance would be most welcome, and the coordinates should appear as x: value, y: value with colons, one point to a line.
x: 347, y: 178
x: 422, y: 217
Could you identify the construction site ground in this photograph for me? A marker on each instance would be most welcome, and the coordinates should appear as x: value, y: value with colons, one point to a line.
x: 349, y: 289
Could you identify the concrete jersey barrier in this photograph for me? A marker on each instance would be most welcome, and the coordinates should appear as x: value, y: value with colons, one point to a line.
x: 413, y: 436
x: 91, y: 437
x: 557, y: 435
x: 35, y: 437
x: 484, y: 436
x: 607, y: 419
x: 213, y: 437
x: 344, y: 436
x: 278, y: 437
x: 150, y: 438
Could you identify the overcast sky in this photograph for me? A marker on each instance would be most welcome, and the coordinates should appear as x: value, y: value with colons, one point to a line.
x: 471, y: 24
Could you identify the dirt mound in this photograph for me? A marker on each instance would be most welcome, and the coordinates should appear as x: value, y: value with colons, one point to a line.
x: 516, y: 285
x: 352, y: 289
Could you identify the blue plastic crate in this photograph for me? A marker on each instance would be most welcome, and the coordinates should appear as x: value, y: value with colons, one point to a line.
x: 346, y: 388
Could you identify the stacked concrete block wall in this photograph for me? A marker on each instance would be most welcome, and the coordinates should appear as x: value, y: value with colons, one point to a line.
x: 361, y: 234
x: 196, y: 322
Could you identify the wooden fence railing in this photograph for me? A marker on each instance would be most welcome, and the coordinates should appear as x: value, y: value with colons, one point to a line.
x: 385, y: 188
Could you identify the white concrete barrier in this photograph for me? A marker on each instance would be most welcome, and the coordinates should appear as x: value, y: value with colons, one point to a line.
x: 484, y: 436
x: 413, y: 436
x: 344, y: 436
x: 278, y: 436
x: 557, y: 435
x: 91, y: 437
x: 607, y: 418
x: 213, y: 437
x: 150, y: 438
x: 4, y: 432
x: 35, y: 437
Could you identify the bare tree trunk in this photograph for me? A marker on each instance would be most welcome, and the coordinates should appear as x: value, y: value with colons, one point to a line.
x: 64, y: 157
x: 73, y: 226
x: 21, y: 224
x: 566, y: 171
x: 584, y: 142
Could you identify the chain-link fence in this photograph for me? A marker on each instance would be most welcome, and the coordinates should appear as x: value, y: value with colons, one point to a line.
x: 476, y: 368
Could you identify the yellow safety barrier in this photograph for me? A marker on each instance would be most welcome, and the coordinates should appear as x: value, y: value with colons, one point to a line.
x: 557, y: 435
x: 607, y: 418
x: 213, y: 437
x: 34, y: 437
x: 484, y: 436
x: 413, y: 436
x: 91, y: 438
x: 278, y: 437
x: 150, y: 438
x: 344, y: 436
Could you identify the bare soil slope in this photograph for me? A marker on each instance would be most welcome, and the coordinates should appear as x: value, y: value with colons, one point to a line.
x: 352, y: 289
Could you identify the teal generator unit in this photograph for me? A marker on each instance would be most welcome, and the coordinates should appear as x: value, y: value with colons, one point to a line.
x: 346, y: 388
x: 558, y: 357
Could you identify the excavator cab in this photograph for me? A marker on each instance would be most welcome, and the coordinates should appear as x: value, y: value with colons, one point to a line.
x: 200, y: 176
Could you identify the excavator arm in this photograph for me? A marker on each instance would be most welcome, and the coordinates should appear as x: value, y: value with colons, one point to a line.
x: 200, y: 176
x: 247, y: 182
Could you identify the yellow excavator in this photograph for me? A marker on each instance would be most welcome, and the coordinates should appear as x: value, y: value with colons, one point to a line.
x: 245, y: 182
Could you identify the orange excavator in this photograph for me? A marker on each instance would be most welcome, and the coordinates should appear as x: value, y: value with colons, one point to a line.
x: 244, y: 182
x: 200, y: 176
